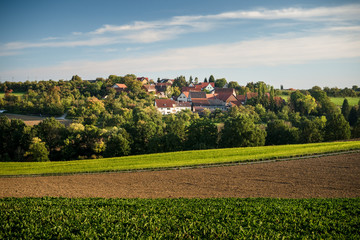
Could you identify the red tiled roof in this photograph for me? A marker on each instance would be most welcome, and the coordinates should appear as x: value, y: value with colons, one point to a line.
x: 226, y: 97
x: 186, y: 94
x: 197, y: 95
x: 168, y: 103
x: 163, y: 84
x: 236, y: 103
x: 205, y: 84
x: 164, y: 103
x: 240, y: 98
x: 149, y: 88
x: 210, y: 96
x: 120, y: 85
x: 225, y: 90
x: 201, y: 102
x: 187, y: 89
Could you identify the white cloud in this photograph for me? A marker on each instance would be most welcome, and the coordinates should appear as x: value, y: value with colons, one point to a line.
x: 260, y: 52
x: 166, y: 29
x: 347, y: 12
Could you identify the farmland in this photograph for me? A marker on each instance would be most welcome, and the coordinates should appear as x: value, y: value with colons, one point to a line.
x: 19, y: 94
x: 338, y: 101
x: 33, y: 120
x: 50, y: 218
x: 334, y: 176
x: 174, y: 159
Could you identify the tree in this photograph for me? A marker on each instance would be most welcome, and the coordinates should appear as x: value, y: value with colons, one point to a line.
x: 180, y: 82
x: 281, y: 132
x: 353, y: 116
x: 15, y: 138
x: 202, y: 134
x: 117, y: 143
x: 211, y: 78
x: 345, y: 109
x: 324, y: 104
x: 76, y: 78
x: 37, y: 151
x: 233, y: 84
x: 304, y: 104
x: 241, y: 131
x: 356, y: 130
x: 205, y: 80
x: 220, y: 83
x: 175, y: 131
x: 337, y: 128
x: 53, y: 133
x: 146, y: 125
x: 312, y: 131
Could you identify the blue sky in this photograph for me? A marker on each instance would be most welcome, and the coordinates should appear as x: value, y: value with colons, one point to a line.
x: 297, y: 44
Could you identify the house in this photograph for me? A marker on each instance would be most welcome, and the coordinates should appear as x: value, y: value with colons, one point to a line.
x: 162, y: 87
x: 190, y: 89
x: 143, y: 80
x: 243, y: 98
x: 149, y: 88
x: 183, y: 97
x: 211, y: 104
x: 119, y: 87
x: 208, y: 86
x: 226, y: 97
x: 166, y: 80
x: 168, y: 106
x: 194, y: 95
x: 226, y: 90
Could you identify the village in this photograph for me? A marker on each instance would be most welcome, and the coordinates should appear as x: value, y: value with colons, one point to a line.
x: 198, y: 98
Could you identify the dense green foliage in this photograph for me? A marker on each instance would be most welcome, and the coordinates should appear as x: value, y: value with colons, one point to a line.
x: 61, y: 218
x: 175, y: 159
x: 107, y: 123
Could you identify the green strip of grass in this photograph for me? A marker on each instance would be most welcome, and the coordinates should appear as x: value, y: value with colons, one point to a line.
x: 174, y: 159
x: 336, y: 100
x: 229, y: 218
x: 339, y: 100
x: 13, y: 94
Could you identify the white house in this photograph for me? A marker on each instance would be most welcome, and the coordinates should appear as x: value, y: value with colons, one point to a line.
x: 183, y: 97
x: 168, y: 106
x: 208, y: 86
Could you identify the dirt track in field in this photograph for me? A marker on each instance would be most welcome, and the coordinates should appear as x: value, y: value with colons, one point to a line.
x: 331, y: 176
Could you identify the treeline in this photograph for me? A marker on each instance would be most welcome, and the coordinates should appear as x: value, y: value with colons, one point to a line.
x: 110, y: 124
x: 54, y: 98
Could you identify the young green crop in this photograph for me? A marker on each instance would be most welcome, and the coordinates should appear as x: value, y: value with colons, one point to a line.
x: 175, y: 159
x: 61, y: 218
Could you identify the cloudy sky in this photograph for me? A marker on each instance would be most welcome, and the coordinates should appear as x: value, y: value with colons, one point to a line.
x: 297, y: 44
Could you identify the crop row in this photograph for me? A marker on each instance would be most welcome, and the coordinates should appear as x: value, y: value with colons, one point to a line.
x: 62, y: 218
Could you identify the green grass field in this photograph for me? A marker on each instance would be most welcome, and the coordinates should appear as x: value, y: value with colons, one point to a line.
x: 337, y: 100
x: 14, y: 94
x: 229, y: 218
x: 174, y: 159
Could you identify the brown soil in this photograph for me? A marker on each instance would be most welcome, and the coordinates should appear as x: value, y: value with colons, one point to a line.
x: 331, y: 176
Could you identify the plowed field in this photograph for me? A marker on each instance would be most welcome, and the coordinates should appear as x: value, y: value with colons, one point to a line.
x: 331, y: 176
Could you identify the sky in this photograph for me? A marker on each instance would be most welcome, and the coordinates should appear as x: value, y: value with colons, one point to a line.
x: 297, y: 44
